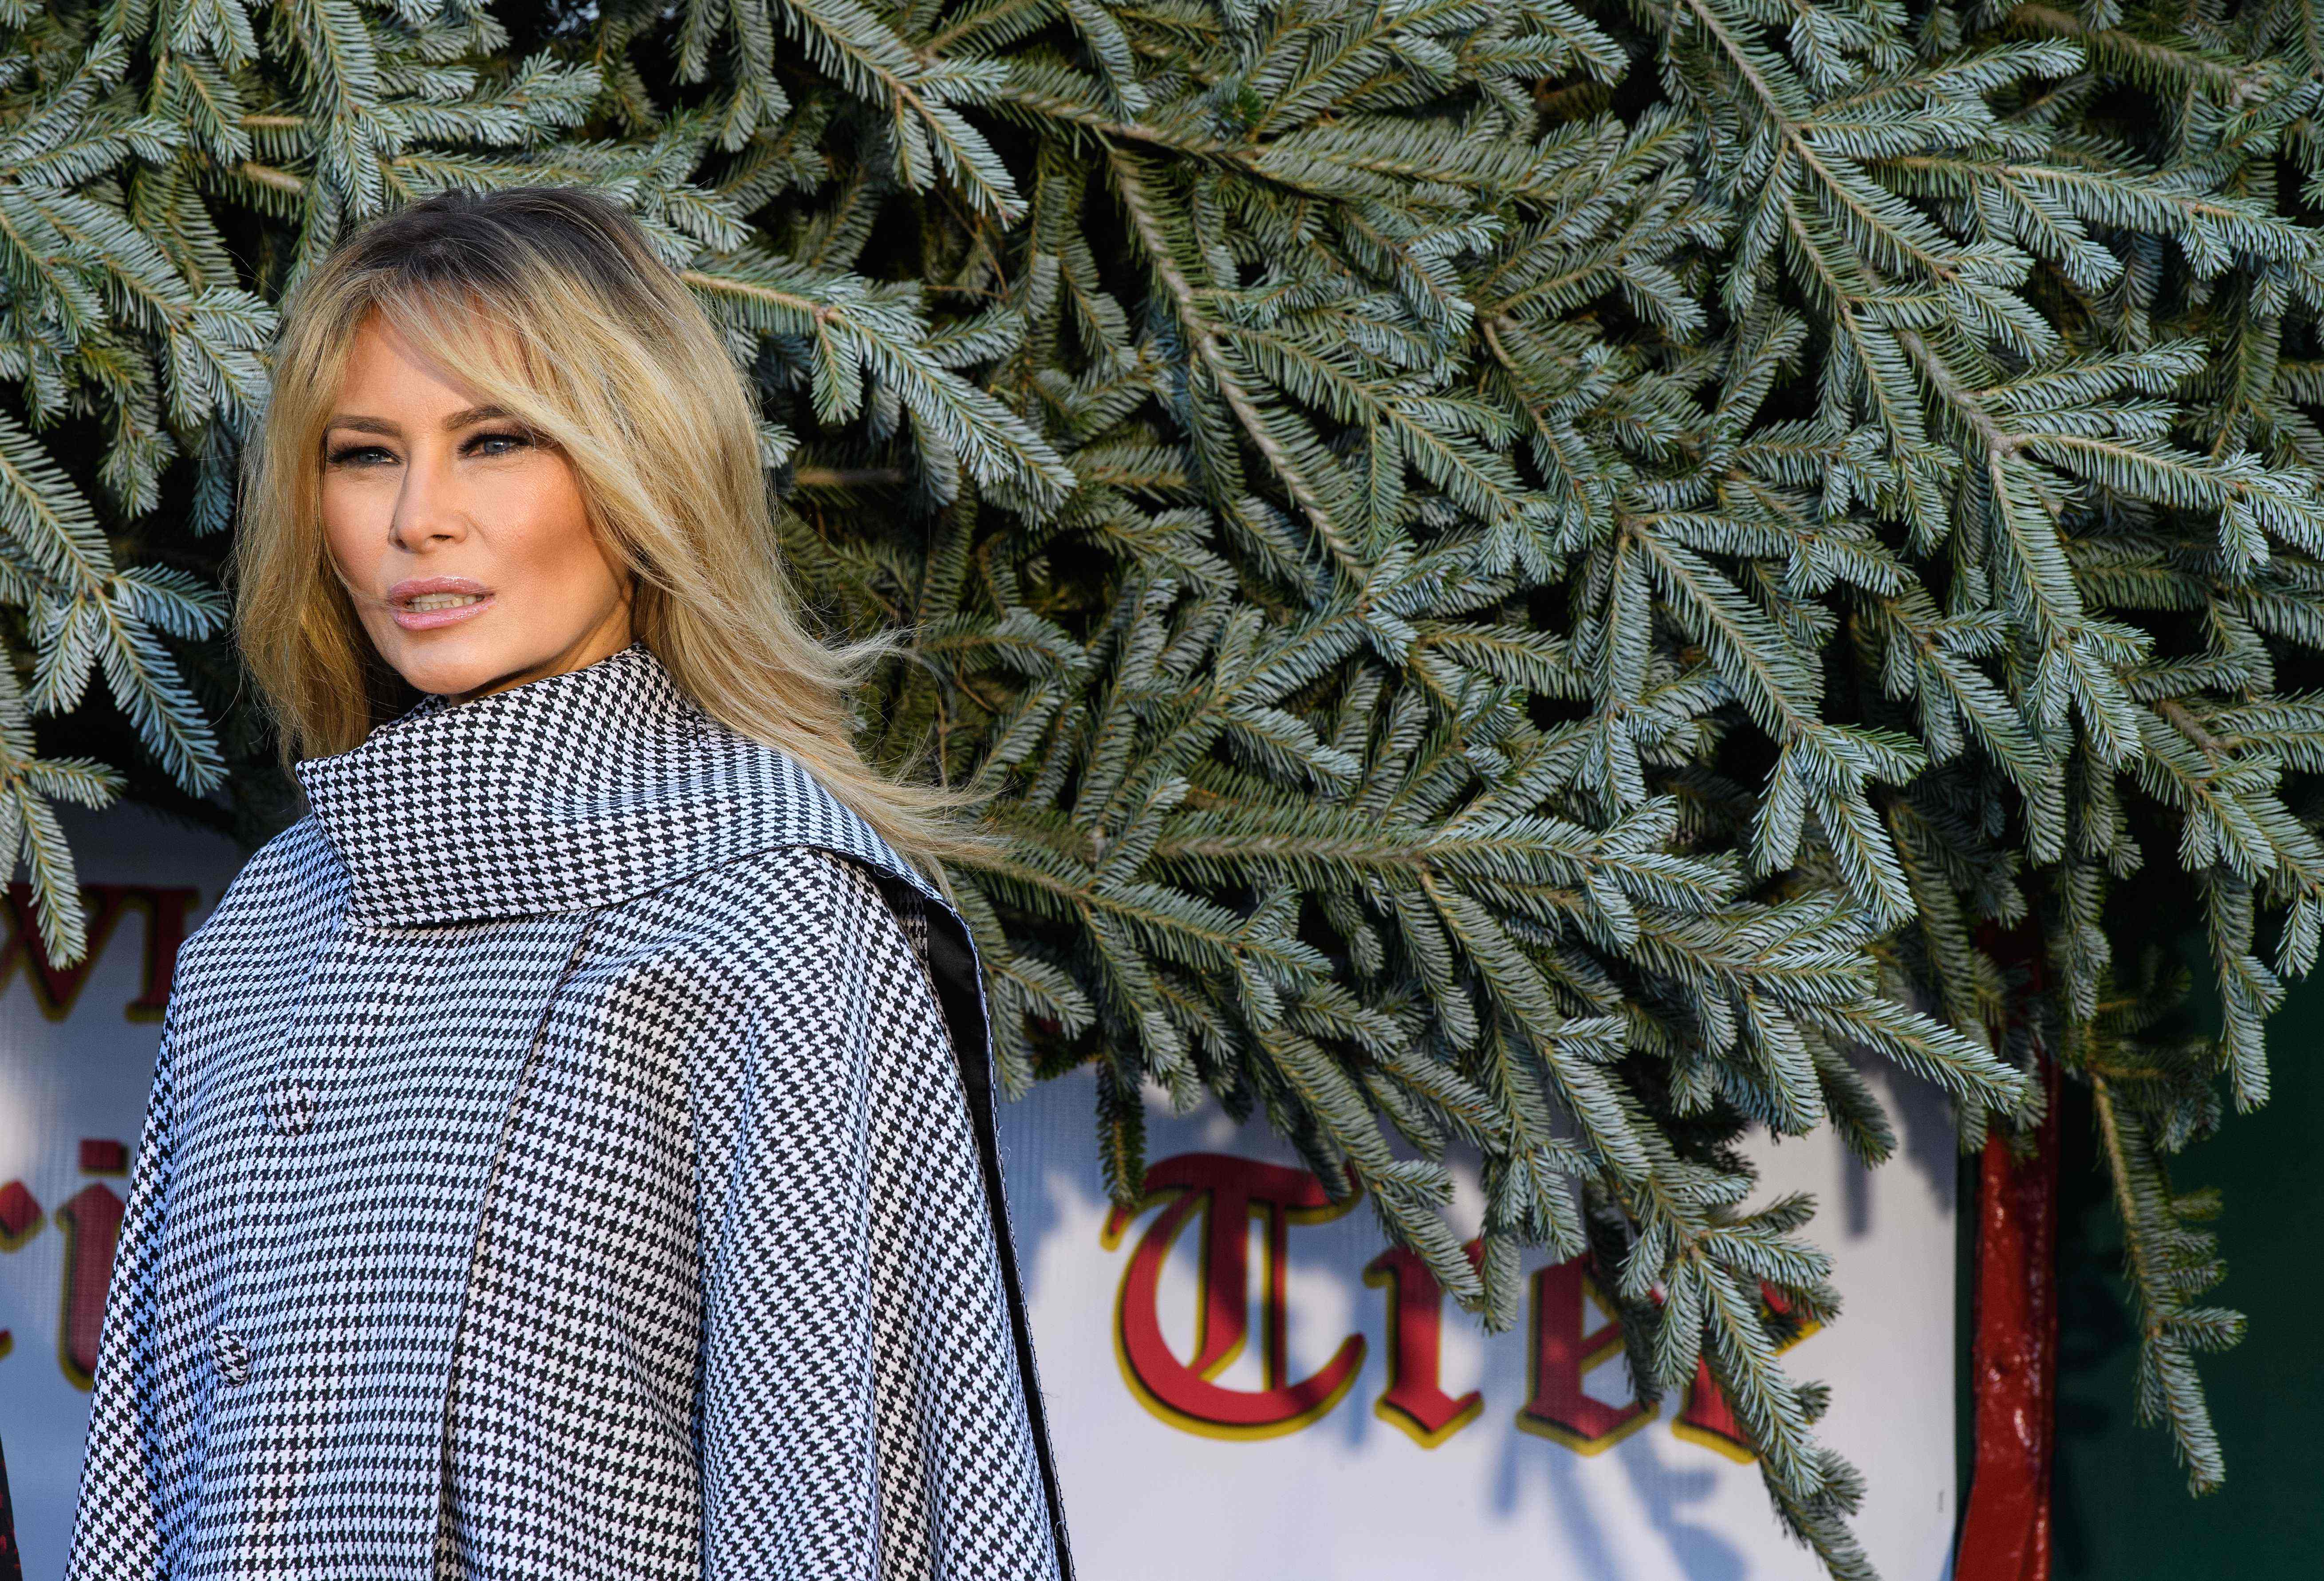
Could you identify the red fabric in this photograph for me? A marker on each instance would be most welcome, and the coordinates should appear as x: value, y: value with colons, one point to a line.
x: 2014, y: 1364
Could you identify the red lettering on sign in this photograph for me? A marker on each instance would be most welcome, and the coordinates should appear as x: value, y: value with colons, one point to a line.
x: 20, y: 1221
x: 91, y: 1218
x: 56, y: 988
x: 19, y: 1215
x: 1557, y: 1406
x: 165, y: 931
x: 1414, y: 1398
x: 1228, y: 1190
x: 1709, y: 1419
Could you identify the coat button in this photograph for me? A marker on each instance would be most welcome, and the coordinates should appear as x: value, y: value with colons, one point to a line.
x: 232, y: 1353
x: 292, y: 1106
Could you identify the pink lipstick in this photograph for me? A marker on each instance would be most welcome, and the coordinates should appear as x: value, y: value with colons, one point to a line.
x: 425, y: 603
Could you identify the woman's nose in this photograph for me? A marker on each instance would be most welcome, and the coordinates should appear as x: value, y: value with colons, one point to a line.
x: 427, y: 507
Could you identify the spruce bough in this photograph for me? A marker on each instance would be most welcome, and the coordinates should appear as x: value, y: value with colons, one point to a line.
x: 1535, y: 579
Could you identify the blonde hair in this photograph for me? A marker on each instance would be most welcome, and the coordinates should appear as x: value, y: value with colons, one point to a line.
x: 549, y: 300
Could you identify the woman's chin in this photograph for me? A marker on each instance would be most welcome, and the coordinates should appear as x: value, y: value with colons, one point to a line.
x: 451, y: 659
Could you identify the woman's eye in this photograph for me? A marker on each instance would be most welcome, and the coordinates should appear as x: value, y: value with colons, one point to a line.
x: 359, y: 455
x: 496, y: 444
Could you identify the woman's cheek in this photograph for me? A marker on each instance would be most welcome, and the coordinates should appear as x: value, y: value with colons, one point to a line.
x: 534, y: 527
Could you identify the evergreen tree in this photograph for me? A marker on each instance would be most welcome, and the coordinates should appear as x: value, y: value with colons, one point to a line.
x: 1539, y: 576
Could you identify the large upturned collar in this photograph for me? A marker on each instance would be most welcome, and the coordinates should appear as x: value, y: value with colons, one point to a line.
x: 569, y: 793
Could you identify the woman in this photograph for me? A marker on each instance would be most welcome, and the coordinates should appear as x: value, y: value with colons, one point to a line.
x: 571, y: 1152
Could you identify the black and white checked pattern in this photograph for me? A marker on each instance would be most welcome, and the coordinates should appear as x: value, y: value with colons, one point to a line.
x: 558, y: 1165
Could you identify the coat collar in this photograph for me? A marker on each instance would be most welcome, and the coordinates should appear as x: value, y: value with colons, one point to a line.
x: 567, y: 793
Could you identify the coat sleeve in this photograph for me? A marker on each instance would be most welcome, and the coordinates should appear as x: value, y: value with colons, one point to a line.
x: 862, y: 1416
x: 117, y: 1528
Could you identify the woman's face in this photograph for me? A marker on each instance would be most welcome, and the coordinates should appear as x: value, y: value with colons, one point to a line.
x: 464, y: 541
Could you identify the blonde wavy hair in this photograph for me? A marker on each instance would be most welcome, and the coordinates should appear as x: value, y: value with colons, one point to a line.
x: 549, y: 300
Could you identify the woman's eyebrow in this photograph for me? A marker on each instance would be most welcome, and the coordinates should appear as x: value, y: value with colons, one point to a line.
x: 363, y: 425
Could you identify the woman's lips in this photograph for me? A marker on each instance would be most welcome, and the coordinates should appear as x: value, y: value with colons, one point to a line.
x: 424, y: 607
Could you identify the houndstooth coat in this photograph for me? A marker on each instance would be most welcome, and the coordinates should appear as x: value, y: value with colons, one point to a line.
x: 571, y: 1154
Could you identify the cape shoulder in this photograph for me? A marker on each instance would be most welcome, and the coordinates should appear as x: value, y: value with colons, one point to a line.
x: 742, y: 923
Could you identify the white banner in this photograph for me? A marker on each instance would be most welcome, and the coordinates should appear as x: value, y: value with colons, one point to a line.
x: 1242, y: 1387
x: 1242, y: 1382
x: 76, y: 1060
